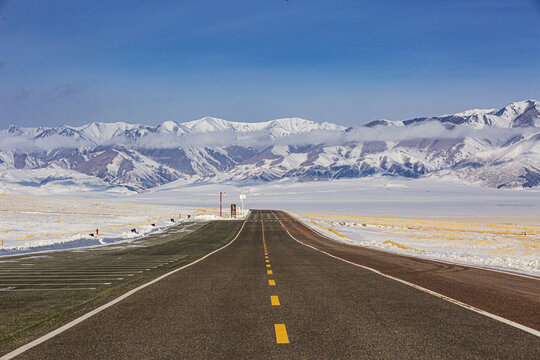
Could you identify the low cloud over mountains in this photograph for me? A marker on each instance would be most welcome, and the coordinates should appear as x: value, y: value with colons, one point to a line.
x: 495, y: 147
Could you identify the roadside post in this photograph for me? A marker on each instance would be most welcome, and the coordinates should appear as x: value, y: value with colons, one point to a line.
x: 242, y: 198
x: 221, y: 195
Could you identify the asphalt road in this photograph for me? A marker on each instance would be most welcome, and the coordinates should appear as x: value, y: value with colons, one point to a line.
x: 226, y: 307
x: 514, y: 297
x: 40, y: 292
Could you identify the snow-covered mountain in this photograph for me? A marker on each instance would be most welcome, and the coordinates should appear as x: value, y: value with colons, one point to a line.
x: 496, y: 147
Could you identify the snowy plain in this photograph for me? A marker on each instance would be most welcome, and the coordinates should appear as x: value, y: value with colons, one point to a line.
x: 37, y: 224
x: 429, y: 218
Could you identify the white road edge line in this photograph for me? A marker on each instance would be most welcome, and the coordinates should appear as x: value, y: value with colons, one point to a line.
x: 448, y: 262
x: 69, y: 325
x: 431, y: 292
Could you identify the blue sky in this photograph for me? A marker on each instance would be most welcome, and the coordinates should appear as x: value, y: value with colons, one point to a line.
x: 347, y: 62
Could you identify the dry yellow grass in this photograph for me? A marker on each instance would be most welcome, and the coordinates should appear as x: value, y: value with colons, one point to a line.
x: 401, y: 246
x: 439, y: 225
x: 199, y: 211
x: 495, y: 238
x: 332, y: 230
x: 29, y: 236
x: 61, y: 216
x: 117, y: 227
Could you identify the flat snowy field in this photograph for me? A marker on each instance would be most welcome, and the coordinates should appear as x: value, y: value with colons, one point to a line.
x: 514, y: 247
x: 31, y: 223
x: 426, y: 218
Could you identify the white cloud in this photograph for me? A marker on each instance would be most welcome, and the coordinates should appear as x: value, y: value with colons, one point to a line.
x: 261, y: 139
x: 24, y: 144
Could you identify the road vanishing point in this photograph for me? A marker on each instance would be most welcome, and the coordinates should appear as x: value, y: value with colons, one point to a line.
x: 279, y: 290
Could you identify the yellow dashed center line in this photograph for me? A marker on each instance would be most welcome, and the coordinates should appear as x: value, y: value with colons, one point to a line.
x: 281, y: 334
x: 281, y: 330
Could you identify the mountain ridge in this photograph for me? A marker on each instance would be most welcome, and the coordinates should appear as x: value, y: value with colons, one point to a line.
x: 493, y: 147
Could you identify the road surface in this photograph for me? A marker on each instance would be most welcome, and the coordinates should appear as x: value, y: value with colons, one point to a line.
x: 268, y: 296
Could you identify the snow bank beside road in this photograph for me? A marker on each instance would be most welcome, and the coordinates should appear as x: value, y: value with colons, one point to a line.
x: 31, y: 223
x: 509, y: 247
x: 210, y: 217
